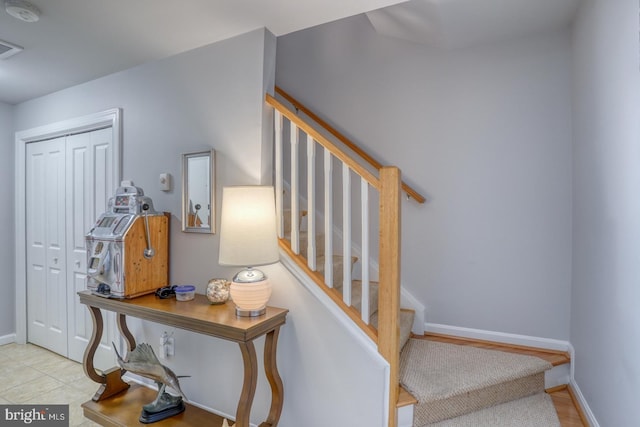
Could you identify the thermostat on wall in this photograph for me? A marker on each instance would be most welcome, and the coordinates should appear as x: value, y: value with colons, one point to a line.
x: 165, y: 181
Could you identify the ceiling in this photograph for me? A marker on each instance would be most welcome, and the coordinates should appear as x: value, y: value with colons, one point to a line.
x: 79, y: 40
x: 454, y: 24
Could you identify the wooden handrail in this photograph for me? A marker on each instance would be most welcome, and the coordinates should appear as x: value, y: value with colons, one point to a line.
x: 346, y: 141
x: 320, y: 139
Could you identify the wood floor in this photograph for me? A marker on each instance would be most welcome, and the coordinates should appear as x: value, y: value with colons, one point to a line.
x: 566, y: 405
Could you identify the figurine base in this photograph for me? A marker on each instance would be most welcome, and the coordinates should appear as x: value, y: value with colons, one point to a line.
x: 152, y: 417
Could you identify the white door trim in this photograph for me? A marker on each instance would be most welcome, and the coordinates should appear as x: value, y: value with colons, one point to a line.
x: 80, y: 124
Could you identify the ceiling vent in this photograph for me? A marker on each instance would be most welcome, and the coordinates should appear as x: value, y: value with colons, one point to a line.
x: 8, y: 49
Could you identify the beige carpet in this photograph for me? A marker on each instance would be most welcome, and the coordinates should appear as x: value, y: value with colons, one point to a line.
x: 406, y: 322
x: 451, y: 380
x: 532, y: 411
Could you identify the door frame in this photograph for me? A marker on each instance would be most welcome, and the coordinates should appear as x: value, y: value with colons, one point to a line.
x: 86, y: 123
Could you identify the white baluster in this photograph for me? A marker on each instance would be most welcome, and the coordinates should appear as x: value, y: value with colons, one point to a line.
x: 328, y: 219
x: 346, y: 234
x: 311, y: 204
x: 295, y: 209
x: 364, y: 262
x: 279, y: 173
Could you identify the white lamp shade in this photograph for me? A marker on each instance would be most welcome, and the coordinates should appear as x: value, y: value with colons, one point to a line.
x: 248, y: 235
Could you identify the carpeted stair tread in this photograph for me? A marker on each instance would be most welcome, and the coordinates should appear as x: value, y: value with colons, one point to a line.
x: 303, y: 243
x: 451, y: 380
x: 337, y: 263
x: 531, y: 411
x: 286, y: 215
x: 406, y: 323
x: 356, y: 295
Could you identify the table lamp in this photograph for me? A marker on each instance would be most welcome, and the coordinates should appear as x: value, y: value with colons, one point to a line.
x: 248, y: 238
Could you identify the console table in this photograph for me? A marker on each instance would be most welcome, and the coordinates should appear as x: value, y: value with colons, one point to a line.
x: 115, y: 403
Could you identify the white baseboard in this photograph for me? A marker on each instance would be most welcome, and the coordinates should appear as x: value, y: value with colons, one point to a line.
x: 7, y: 339
x: 501, y: 337
x: 591, y: 419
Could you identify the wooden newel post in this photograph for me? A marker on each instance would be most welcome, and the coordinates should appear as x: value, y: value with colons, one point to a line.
x: 389, y: 301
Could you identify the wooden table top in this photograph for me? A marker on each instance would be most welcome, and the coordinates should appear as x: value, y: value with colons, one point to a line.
x: 197, y: 315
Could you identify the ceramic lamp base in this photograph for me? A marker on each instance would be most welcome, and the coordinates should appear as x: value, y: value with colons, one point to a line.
x: 250, y: 298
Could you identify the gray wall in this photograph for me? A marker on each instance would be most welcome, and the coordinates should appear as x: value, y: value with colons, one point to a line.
x: 605, y: 320
x: 485, y: 133
x: 213, y: 97
x: 7, y: 284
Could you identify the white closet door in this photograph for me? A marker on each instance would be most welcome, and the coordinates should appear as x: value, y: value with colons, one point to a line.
x: 46, y: 264
x: 90, y: 184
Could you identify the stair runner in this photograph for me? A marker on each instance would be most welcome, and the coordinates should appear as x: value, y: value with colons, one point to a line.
x: 456, y: 386
x: 468, y: 386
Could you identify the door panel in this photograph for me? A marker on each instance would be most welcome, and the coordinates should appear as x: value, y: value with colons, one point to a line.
x: 36, y: 277
x: 46, y: 271
x: 89, y: 175
x: 55, y: 235
x: 69, y: 181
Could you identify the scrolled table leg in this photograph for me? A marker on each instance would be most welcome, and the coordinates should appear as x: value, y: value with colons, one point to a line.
x: 124, y: 331
x: 249, y: 385
x: 110, y: 381
x: 90, y: 351
x: 273, y: 376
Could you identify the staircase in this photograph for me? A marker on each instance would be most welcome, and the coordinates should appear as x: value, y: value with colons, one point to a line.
x: 451, y: 386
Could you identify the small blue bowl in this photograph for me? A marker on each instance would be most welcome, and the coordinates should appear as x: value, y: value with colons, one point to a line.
x: 185, y: 292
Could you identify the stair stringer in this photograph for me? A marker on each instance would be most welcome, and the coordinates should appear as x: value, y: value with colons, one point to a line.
x: 358, y: 334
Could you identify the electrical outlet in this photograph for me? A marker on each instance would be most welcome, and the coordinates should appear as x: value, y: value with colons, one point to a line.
x: 166, y: 348
x: 171, y: 349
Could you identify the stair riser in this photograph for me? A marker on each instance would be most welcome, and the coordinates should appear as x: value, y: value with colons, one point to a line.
x: 406, y: 321
x: 319, y: 246
x: 435, y: 411
x: 536, y: 410
x: 356, y: 296
x: 338, y: 271
x: 286, y: 216
x: 558, y: 375
x: 304, y: 248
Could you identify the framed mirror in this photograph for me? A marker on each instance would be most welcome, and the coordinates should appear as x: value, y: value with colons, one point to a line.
x: 198, y: 192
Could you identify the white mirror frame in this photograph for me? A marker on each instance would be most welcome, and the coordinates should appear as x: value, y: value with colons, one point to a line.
x: 188, y: 206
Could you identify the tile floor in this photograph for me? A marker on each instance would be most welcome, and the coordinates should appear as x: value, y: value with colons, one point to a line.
x: 31, y: 374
